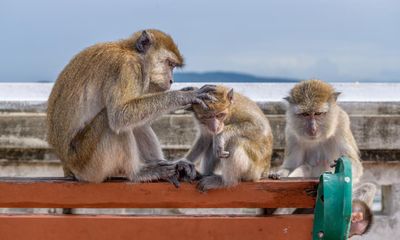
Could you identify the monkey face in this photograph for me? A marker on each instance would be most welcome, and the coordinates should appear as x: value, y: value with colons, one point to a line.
x: 361, y: 218
x: 213, y: 122
x: 212, y: 119
x: 160, y: 70
x: 161, y: 56
x: 311, y: 124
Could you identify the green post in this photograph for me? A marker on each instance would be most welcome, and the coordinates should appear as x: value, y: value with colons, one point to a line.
x: 333, y: 204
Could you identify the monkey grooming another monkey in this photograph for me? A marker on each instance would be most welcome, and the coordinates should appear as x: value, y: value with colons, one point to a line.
x: 318, y: 133
x: 103, y: 102
x: 234, y: 136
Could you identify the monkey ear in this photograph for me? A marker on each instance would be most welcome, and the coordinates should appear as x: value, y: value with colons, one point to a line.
x: 335, y: 96
x: 143, y: 43
x: 230, y: 95
x: 288, y: 99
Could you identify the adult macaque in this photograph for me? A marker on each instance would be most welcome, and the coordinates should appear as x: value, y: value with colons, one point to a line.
x: 102, y: 105
x: 234, y: 137
x: 318, y: 133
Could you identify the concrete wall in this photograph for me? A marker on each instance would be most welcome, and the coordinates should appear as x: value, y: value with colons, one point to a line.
x: 375, y: 117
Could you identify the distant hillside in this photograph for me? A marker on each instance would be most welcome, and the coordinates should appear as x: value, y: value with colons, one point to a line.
x: 226, y: 77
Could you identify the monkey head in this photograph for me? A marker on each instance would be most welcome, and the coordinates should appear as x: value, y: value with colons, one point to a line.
x: 361, y: 218
x: 312, y: 111
x: 160, y: 56
x: 212, y: 119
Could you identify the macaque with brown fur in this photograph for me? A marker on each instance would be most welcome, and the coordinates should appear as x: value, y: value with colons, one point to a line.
x: 318, y: 133
x: 234, y: 137
x: 102, y: 105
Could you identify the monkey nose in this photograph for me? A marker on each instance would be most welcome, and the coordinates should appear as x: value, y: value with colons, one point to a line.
x: 313, y: 131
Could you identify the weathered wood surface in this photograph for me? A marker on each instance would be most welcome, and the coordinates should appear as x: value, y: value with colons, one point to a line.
x: 41, y: 227
x: 60, y: 193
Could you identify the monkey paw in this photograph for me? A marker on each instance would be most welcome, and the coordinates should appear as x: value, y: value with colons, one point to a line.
x: 312, y: 191
x: 223, y: 154
x: 333, y: 165
x: 209, y: 182
x: 274, y: 176
x: 186, y: 170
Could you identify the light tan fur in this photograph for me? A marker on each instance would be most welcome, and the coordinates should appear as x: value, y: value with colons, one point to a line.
x: 310, y: 156
x: 240, y: 145
x: 312, y: 103
x: 103, y: 102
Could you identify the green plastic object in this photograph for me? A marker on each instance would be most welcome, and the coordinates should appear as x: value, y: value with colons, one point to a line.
x: 332, y: 213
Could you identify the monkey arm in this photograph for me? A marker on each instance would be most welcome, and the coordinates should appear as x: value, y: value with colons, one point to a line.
x: 348, y: 146
x: 199, y: 148
x: 293, y: 159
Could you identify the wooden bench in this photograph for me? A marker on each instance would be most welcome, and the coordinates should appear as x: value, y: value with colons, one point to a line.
x: 64, y: 193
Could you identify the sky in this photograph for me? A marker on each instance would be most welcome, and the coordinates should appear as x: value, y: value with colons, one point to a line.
x: 341, y: 40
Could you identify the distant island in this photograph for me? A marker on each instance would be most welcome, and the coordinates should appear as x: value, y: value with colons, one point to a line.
x: 226, y: 77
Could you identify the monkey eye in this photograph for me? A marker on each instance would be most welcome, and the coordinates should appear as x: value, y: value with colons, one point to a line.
x: 319, y: 113
x: 221, y: 115
x: 304, y: 114
x: 171, y: 63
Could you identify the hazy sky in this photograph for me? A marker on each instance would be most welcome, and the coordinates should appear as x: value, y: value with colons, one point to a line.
x: 341, y: 40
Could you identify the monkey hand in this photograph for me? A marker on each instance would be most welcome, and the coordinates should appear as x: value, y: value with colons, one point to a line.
x: 219, y: 147
x: 274, y: 176
x: 199, y: 96
x: 333, y: 165
x: 186, y: 170
x: 166, y: 171
x: 189, y: 89
x: 278, y: 174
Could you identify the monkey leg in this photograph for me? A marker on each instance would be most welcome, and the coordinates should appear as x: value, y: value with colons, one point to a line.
x: 210, y: 162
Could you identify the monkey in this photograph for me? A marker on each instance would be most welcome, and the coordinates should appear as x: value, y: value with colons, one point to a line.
x: 102, y: 105
x: 362, y: 215
x: 234, y: 136
x: 318, y: 133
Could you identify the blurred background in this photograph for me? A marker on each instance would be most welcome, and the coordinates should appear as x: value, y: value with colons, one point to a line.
x: 244, y: 41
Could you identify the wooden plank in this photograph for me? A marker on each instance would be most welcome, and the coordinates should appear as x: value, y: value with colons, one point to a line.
x: 60, y: 193
x: 45, y: 227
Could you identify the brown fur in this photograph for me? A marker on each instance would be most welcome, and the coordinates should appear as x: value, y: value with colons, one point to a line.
x: 165, y: 41
x: 101, y: 106
x: 246, y: 136
x: 310, y: 94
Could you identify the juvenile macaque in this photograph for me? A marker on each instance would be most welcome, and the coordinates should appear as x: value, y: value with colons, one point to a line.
x: 318, y: 133
x: 234, y: 137
x: 102, y: 105
x: 362, y: 215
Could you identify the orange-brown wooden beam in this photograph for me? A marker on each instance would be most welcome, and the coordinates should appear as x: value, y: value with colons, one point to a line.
x: 59, y: 193
x: 289, y: 227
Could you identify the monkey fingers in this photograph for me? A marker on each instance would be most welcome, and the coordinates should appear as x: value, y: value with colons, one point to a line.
x: 210, y: 182
x: 223, y: 154
x: 334, y: 163
x: 189, y: 89
x: 186, y: 170
x: 274, y: 176
x: 167, y: 171
x: 174, y: 180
